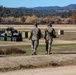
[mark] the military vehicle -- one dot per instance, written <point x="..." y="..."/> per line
<point x="10" y="34"/>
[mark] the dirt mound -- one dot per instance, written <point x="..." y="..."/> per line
<point x="22" y="62"/>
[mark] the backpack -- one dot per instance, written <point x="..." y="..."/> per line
<point x="39" y="34"/>
<point x="52" y="33"/>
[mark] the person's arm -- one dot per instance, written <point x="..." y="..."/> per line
<point x="44" y="35"/>
<point x="54" y="31"/>
<point x="39" y="34"/>
<point x="30" y="35"/>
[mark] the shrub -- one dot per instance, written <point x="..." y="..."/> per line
<point x="14" y="50"/>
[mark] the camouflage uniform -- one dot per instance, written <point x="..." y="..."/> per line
<point x="34" y="37"/>
<point x="48" y="38"/>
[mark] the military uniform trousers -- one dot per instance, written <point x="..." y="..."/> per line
<point x="48" y="45"/>
<point x="34" y="45"/>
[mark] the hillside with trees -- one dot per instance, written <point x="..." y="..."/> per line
<point x="55" y="15"/>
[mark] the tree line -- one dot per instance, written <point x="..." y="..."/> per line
<point x="26" y="15"/>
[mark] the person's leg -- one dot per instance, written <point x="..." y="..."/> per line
<point x="36" y="43"/>
<point x="46" y="47"/>
<point x="32" y="47"/>
<point x="49" y="46"/>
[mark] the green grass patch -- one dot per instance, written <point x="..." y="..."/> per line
<point x="56" y="48"/>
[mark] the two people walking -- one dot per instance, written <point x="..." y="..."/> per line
<point x="35" y="35"/>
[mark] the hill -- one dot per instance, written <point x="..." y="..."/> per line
<point x="64" y="12"/>
<point x="68" y="7"/>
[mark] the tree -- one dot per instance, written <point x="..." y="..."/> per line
<point x="56" y="19"/>
<point x="28" y="19"/>
<point x="8" y="19"/>
<point x="46" y="19"/>
<point x="32" y="19"/>
<point x="23" y="19"/>
<point x="68" y="21"/>
<point x="73" y="17"/>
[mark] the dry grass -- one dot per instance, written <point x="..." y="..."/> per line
<point x="1" y="51"/>
<point x="63" y="55"/>
<point x="39" y="61"/>
<point x="67" y="36"/>
<point x="12" y="50"/>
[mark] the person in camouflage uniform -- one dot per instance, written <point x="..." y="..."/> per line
<point x="48" y="36"/>
<point x="35" y="35"/>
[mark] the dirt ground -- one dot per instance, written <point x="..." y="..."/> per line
<point x="15" y="61"/>
<point x="68" y="70"/>
<point x="27" y="42"/>
<point x="53" y="60"/>
<point x="68" y="37"/>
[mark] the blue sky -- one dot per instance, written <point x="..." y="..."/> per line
<point x="35" y="3"/>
